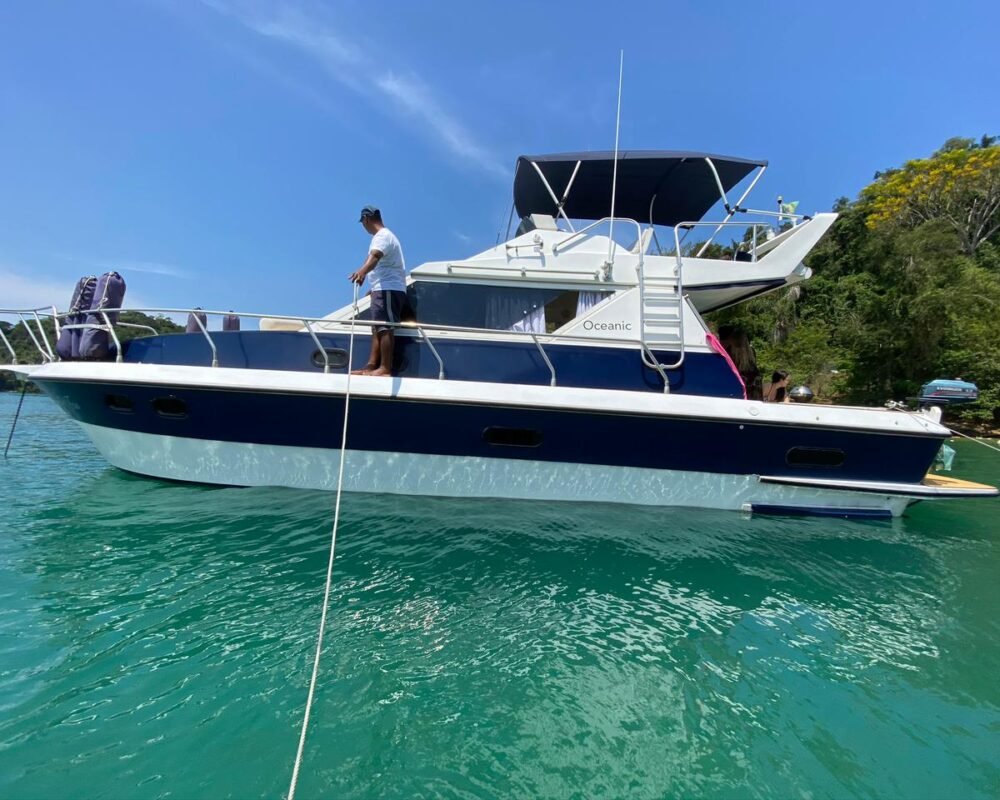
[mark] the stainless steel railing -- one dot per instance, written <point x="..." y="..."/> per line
<point x="540" y="340"/>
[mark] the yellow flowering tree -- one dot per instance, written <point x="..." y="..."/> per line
<point x="959" y="185"/>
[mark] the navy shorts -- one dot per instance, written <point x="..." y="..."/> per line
<point x="387" y="306"/>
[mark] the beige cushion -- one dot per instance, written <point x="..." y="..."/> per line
<point x="271" y="324"/>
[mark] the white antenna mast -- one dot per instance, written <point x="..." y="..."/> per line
<point x="614" y="174"/>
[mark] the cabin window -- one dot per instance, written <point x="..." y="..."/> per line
<point x="513" y="437"/>
<point x="503" y="308"/>
<point x="815" y="457"/>
<point x="119" y="403"/>
<point x="170" y="407"/>
<point x="336" y="356"/>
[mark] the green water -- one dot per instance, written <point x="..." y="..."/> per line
<point x="156" y="641"/>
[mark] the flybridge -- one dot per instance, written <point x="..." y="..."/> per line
<point x="661" y="187"/>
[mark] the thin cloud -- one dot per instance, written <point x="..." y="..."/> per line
<point x="346" y="63"/>
<point x="125" y="265"/>
<point x="20" y="291"/>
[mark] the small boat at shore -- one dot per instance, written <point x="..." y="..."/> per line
<point x="944" y="392"/>
<point x="562" y="364"/>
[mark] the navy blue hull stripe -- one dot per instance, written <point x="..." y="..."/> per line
<point x="589" y="366"/>
<point x="455" y="429"/>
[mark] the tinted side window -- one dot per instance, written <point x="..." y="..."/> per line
<point x="474" y="306"/>
<point x="815" y="457"/>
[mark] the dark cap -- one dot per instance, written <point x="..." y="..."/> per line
<point x="370" y="211"/>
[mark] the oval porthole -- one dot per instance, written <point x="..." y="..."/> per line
<point x="119" y="403"/>
<point x="170" y="407"/>
<point x="513" y="437"/>
<point x="815" y="457"/>
<point x="336" y="356"/>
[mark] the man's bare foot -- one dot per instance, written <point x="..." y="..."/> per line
<point x="381" y="372"/>
<point x="367" y="369"/>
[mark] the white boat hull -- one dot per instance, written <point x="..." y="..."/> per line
<point x="242" y="464"/>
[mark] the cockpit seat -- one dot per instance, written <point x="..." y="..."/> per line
<point x="272" y="324"/>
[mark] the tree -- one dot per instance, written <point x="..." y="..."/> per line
<point x="959" y="185"/>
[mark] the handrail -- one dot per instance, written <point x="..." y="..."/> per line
<point x="319" y="346"/>
<point x="45" y="336"/>
<point x="433" y="349"/>
<point x="114" y="336"/>
<point x="548" y="363"/>
<point x="149" y="328"/>
<point x="561" y="245"/>
<point x="687" y="226"/>
<point x="655" y="364"/>
<point x="372" y="323"/>
<point x="13" y="354"/>
<point x="524" y="270"/>
<point x="308" y="324"/>
<point x="204" y="330"/>
<point x="31" y="333"/>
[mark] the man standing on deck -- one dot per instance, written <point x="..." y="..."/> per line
<point x="386" y="273"/>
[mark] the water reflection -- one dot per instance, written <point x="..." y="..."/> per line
<point x="156" y="640"/>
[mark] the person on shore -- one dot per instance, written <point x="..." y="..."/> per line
<point x="777" y="392"/>
<point x="386" y="272"/>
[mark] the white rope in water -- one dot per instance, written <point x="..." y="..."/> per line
<point x="329" y="567"/>
<point x="974" y="439"/>
<point x="919" y="417"/>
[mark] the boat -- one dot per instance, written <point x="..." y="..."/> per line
<point x="570" y="362"/>
<point x="944" y="392"/>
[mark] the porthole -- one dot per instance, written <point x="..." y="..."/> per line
<point x="170" y="407"/>
<point x="119" y="403"/>
<point x="336" y="356"/>
<point x="815" y="457"/>
<point x="513" y="437"/>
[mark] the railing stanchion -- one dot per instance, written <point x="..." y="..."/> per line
<point x="326" y="356"/>
<point x="548" y="363"/>
<point x="114" y="336"/>
<point x="45" y="338"/>
<point x="430" y="344"/>
<point x="41" y="350"/>
<point x="13" y="354"/>
<point x="204" y="330"/>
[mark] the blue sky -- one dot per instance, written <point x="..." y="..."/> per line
<point x="216" y="152"/>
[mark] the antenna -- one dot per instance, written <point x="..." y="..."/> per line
<point x="614" y="174"/>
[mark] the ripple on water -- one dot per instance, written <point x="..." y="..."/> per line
<point x="156" y="640"/>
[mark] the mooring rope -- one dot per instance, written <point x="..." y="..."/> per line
<point x="10" y="436"/>
<point x="329" y="567"/>
<point x="896" y="406"/>
<point x="974" y="439"/>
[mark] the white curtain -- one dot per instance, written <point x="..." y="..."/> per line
<point x="587" y="300"/>
<point x="534" y="322"/>
<point x="504" y="312"/>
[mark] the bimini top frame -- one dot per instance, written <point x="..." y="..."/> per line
<point x="661" y="187"/>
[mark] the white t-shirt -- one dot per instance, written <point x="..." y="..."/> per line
<point x="390" y="272"/>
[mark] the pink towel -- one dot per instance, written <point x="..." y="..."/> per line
<point x="716" y="345"/>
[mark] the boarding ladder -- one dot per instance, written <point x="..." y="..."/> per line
<point x="661" y="315"/>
